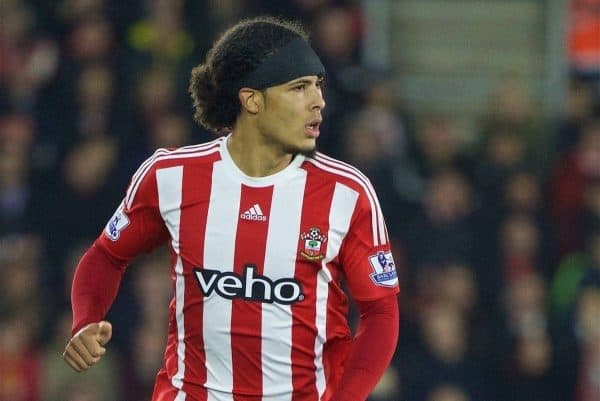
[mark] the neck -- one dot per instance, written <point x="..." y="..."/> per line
<point x="253" y="155"/>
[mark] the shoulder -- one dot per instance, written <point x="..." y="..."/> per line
<point x="367" y="205"/>
<point x="334" y="170"/>
<point x="164" y="158"/>
<point x="188" y="154"/>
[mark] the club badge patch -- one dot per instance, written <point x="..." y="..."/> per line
<point x="313" y="244"/>
<point x="385" y="269"/>
<point x="117" y="223"/>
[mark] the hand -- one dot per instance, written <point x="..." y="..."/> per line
<point x="87" y="346"/>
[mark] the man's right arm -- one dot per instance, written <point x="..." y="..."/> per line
<point x="135" y="228"/>
<point x="90" y="297"/>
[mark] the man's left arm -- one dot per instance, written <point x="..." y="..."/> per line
<point x="378" y="326"/>
<point x="370" y="272"/>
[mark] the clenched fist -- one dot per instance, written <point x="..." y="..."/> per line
<point x="87" y="346"/>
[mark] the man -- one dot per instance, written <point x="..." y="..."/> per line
<point x="262" y="231"/>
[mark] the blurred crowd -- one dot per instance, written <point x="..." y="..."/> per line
<point x="496" y="232"/>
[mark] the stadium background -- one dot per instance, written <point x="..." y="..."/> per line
<point x="477" y="121"/>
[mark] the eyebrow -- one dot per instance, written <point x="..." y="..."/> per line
<point x="307" y="81"/>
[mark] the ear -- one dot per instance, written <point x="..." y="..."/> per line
<point x="251" y="100"/>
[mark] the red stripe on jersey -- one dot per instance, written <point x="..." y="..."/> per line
<point x="161" y="154"/>
<point x="304" y="329"/>
<point x="194" y="209"/>
<point x="246" y="315"/>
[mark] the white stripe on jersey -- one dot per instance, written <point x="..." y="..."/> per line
<point x="180" y="396"/>
<point x="282" y="244"/>
<point x="383" y="237"/>
<point x="219" y="253"/>
<point x="169" y="183"/>
<point x="161" y="154"/>
<point x="321" y="323"/>
<point x="342" y="207"/>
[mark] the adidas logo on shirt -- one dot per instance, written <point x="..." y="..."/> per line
<point x="254" y="213"/>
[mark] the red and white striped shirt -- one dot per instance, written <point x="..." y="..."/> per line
<point x="257" y="263"/>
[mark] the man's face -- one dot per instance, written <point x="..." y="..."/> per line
<point x="291" y="115"/>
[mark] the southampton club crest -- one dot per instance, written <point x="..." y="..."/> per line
<point x="385" y="269"/>
<point x="313" y="244"/>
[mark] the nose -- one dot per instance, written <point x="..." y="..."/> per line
<point x="319" y="102"/>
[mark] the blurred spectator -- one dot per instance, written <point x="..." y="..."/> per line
<point x="20" y="308"/>
<point x="86" y="179"/>
<point x="503" y="154"/>
<point x="511" y="108"/>
<point x="519" y="248"/>
<point x="169" y="131"/>
<point x="161" y="37"/>
<point x="145" y="348"/>
<point x="19" y="355"/>
<point x="14" y="192"/>
<point x="153" y="98"/>
<point x="579" y="108"/>
<point x="91" y="40"/>
<point x="389" y="387"/>
<point x="145" y="359"/>
<point x="447" y="392"/>
<point x="443" y="231"/>
<point x="27" y="61"/>
<point x="588" y="329"/>
<point x="591" y="276"/>
<point x="577" y="271"/>
<point x="152" y="289"/>
<point x="336" y="33"/>
<point x="592" y="208"/>
<point x="439" y="147"/>
<point x="16" y="134"/>
<point x="566" y="284"/>
<point x="94" y="99"/>
<point x="458" y="288"/>
<point x="19" y="258"/>
<point x="523" y="193"/>
<point x="532" y="367"/>
<point x="375" y="140"/>
<point x="525" y="305"/>
<point x="445" y="356"/>
<point x="571" y="177"/>
<point x="206" y="18"/>
<point x="583" y="44"/>
<point x="529" y="375"/>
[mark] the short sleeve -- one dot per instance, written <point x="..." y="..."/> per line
<point x="366" y="256"/>
<point x="136" y="227"/>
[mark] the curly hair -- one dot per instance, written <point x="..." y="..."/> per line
<point x="236" y="53"/>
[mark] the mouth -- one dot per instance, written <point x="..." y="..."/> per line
<point x="312" y="128"/>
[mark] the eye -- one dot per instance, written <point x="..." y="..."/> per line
<point x="299" y="88"/>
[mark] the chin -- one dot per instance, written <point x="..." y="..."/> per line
<point x="309" y="152"/>
<point x="308" y="149"/>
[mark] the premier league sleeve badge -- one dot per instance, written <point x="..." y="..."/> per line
<point x="117" y="223"/>
<point x="385" y="274"/>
